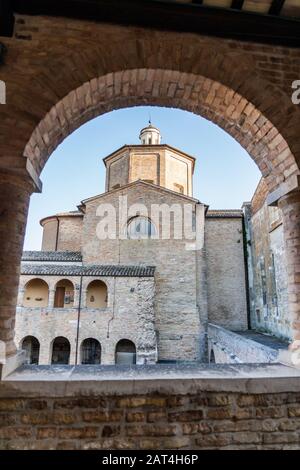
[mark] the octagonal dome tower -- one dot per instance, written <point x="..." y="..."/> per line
<point x="152" y="162"/>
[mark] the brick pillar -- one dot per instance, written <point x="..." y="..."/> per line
<point x="21" y="294"/>
<point x="77" y="297"/>
<point x="51" y="298"/>
<point x="15" y="192"/>
<point x="45" y="352"/>
<point x="290" y="206"/>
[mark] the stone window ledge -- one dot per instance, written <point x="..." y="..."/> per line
<point x="30" y="380"/>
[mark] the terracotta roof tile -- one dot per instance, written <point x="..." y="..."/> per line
<point x="51" y="256"/>
<point x="89" y="270"/>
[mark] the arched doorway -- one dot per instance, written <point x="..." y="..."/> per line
<point x="60" y="351"/>
<point x="36" y="293"/>
<point x="32" y="347"/>
<point x="96" y="295"/>
<point x="90" y="351"/>
<point x="125" y="352"/>
<point x="64" y="294"/>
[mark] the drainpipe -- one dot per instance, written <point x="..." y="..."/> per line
<point x="57" y="232"/>
<point x="246" y="264"/>
<point x="114" y="296"/>
<point x="113" y="310"/>
<point x="78" y="319"/>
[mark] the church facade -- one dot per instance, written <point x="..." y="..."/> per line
<point x="136" y="273"/>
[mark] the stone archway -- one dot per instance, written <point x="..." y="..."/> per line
<point x="236" y="86"/>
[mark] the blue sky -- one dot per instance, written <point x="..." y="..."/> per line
<point x="225" y="176"/>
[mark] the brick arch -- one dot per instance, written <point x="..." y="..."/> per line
<point x="66" y="352"/>
<point x="198" y="94"/>
<point x="32" y="283"/>
<point x="29" y="336"/>
<point x="34" y="341"/>
<point x="49" y="58"/>
<point x="36" y="278"/>
<point x="72" y="53"/>
<point x="64" y="279"/>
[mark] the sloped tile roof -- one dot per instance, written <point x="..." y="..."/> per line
<point x="233" y="213"/>
<point x="89" y="270"/>
<point x="51" y="256"/>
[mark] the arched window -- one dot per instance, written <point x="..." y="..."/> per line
<point x="60" y="351"/>
<point x="32" y="347"/>
<point x="140" y="228"/>
<point x="36" y="293"/>
<point x="96" y="294"/>
<point x="64" y="294"/>
<point x="125" y="352"/>
<point x="90" y="351"/>
<point x="212" y="359"/>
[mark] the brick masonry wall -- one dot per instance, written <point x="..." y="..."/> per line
<point x="176" y="313"/>
<point x="117" y="171"/>
<point x="68" y="232"/>
<point x="49" y="235"/>
<point x="113" y="67"/>
<point x="185" y="283"/>
<point x="203" y="420"/>
<point x="158" y="164"/>
<point x="69" y="235"/>
<point x="259" y="196"/>
<point x="145" y="166"/>
<point x="226" y="282"/>
<point x="128" y="315"/>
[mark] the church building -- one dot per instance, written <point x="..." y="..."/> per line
<point x="135" y="274"/>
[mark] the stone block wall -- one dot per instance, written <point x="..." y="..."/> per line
<point x="203" y="420"/>
<point x="268" y="279"/>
